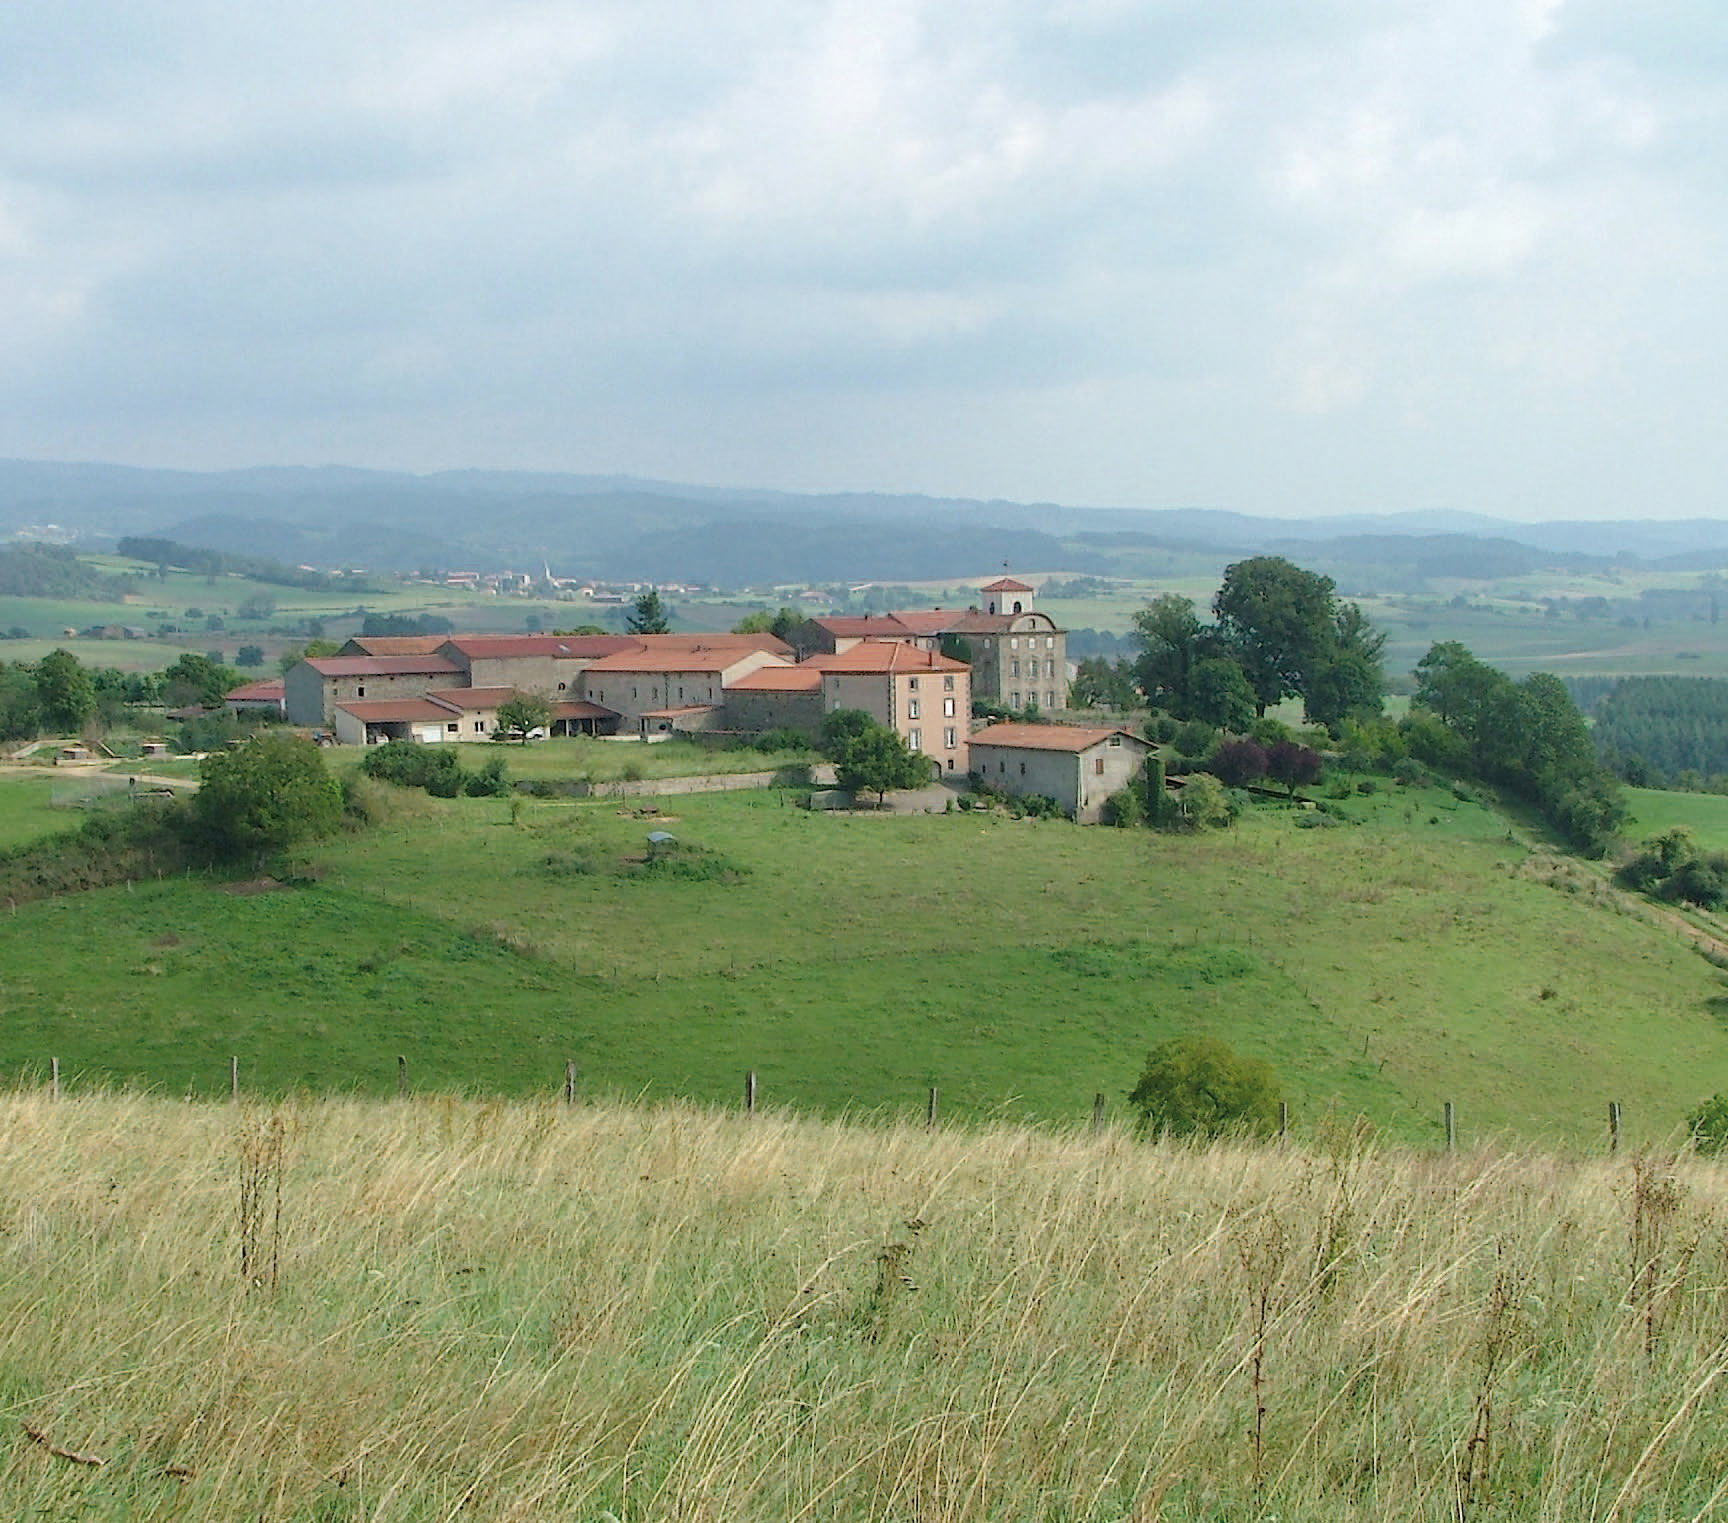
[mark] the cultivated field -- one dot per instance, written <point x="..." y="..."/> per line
<point x="445" y="1309"/>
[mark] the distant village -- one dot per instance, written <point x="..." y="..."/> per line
<point x="915" y="671"/>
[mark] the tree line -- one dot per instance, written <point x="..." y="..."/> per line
<point x="1277" y="632"/>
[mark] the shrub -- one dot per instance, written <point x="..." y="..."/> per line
<point x="1708" y="1123"/>
<point x="783" y="739"/>
<point x="489" y="782"/>
<point x="1204" y="802"/>
<point x="1407" y="772"/>
<point x="1124" y="808"/>
<point x="1199" y="1086"/>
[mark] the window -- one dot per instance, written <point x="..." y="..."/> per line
<point x="1022" y="769"/>
<point x="1013" y="642"/>
<point x="912" y="682"/>
<point x="1049" y="668"/>
<point x="914" y="740"/>
<point x="1049" y="700"/>
<point x="1098" y="765"/>
<point x="1013" y="700"/>
<point x="1049" y="642"/>
<point x="360" y="691"/>
<point x="948" y="740"/>
<point x="1013" y="668"/>
<point x="1115" y="740"/>
<point x="480" y="726"/>
<point x="562" y="686"/>
<point x="947" y="708"/>
<point x="454" y="726"/>
<point x="947" y="684"/>
<point x="911" y="708"/>
<point x="1001" y="766"/>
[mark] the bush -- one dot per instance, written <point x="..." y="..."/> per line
<point x="489" y="782"/>
<point x="1204" y="802"/>
<point x="1407" y="772"/>
<point x="783" y="739"/>
<point x="1123" y="809"/>
<point x="1199" y="1086"/>
<point x="1708" y="1124"/>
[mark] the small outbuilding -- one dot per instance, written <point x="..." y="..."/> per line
<point x="1077" y="765"/>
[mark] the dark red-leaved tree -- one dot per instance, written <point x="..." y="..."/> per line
<point x="1293" y="765"/>
<point x="1237" y="763"/>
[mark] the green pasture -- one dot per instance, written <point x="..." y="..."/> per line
<point x="1408" y="956"/>
<point x="1655" y="810"/>
<point x="27" y="812"/>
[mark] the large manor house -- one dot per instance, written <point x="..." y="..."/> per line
<point x="916" y="671"/>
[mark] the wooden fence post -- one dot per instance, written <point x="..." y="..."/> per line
<point x="401" y="1077"/>
<point x="750" y="1093"/>
<point x="54" y="1091"/>
<point x="570" y="1081"/>
<point x="1283" y="1119"/>
<point x="234" y="1081"/>
<point x="1613" y="1126"/>
<point x="1097" y="1112"/>
<point x="930" y="1114"/>
<point x="1451" y="1129"/>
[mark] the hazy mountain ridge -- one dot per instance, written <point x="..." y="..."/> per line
<point x="627" y="528"/>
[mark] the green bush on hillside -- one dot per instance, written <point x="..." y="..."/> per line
<point x="1708" y="1124"/>
<point x="1200" y="1086"/>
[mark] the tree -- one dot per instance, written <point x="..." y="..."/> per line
<point x="1294" y="765"/>
<point x="1279" y="622"/>
<point x="521" y="716"/>
<point x="1172" y="643"/>
<point x="648" y="616"/>
<point x="310" y="651"/>
<point x="1347" y="680"/>
<point x="267" y="794"/>
<point x="1219" y="695"/>
<point x="840" y="727"/>
<point x="1199" y="1086"/>
<point x="65" y="692"/>
<point x="250" y="655"/>
<point x="1237" y="763"/>
<point x="878" y="762"/>
<point x="782" y="625"/>
<point x="198" y="679"/>
<point x="1100" y="683"/>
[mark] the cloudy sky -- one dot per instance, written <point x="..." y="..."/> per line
<point x="1279" y="256"/>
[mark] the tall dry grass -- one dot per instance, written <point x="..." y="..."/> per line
<point x="488" y="1311"/>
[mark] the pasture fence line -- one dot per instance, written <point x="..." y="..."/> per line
<point x="1448" y="1118"/>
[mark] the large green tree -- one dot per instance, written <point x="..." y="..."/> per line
<point x="65" y="692"/>
<point x="198" y="679"/>
<point x="1172" y="641"/>
<point x="878" y="761"/>
<point x="1279" y="622"/>
<point x="267" y="794"/>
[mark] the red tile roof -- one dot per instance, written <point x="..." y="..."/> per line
<point x="1005" y="584"/>
<point x="686" y="659"/>
<point x="472" y="697"/>
<point x="381" y="710"/>
<point x="383" y="666"/>
<point x="779" y="679"/>
<point x="271" y="691"/>
<point x="393" y="645"/>
<point x="1050" y="737"/>
<point x="715" y="640"/>
<point x="878" y="626"/>
<point x="558" y="647"/>
<point x="581" y="708"/>
<point x="885" y="656"/>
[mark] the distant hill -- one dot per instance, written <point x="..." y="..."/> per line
<point x="623" y="528"/>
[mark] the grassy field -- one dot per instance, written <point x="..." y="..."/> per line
<point x="1656" y="810"/>
<point x="1417" y="955"/>
<point x="340" y="1311"/>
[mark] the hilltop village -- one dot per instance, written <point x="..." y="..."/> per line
<point x="917" y="672"/>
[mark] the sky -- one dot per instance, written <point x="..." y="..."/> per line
<point x="1304" y="257"/>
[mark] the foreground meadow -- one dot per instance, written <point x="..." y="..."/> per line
<point x="440" y="1309"/>
<point x="1422" y="953"/>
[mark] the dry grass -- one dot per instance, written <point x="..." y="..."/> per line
<point x="490" y="1311"/>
